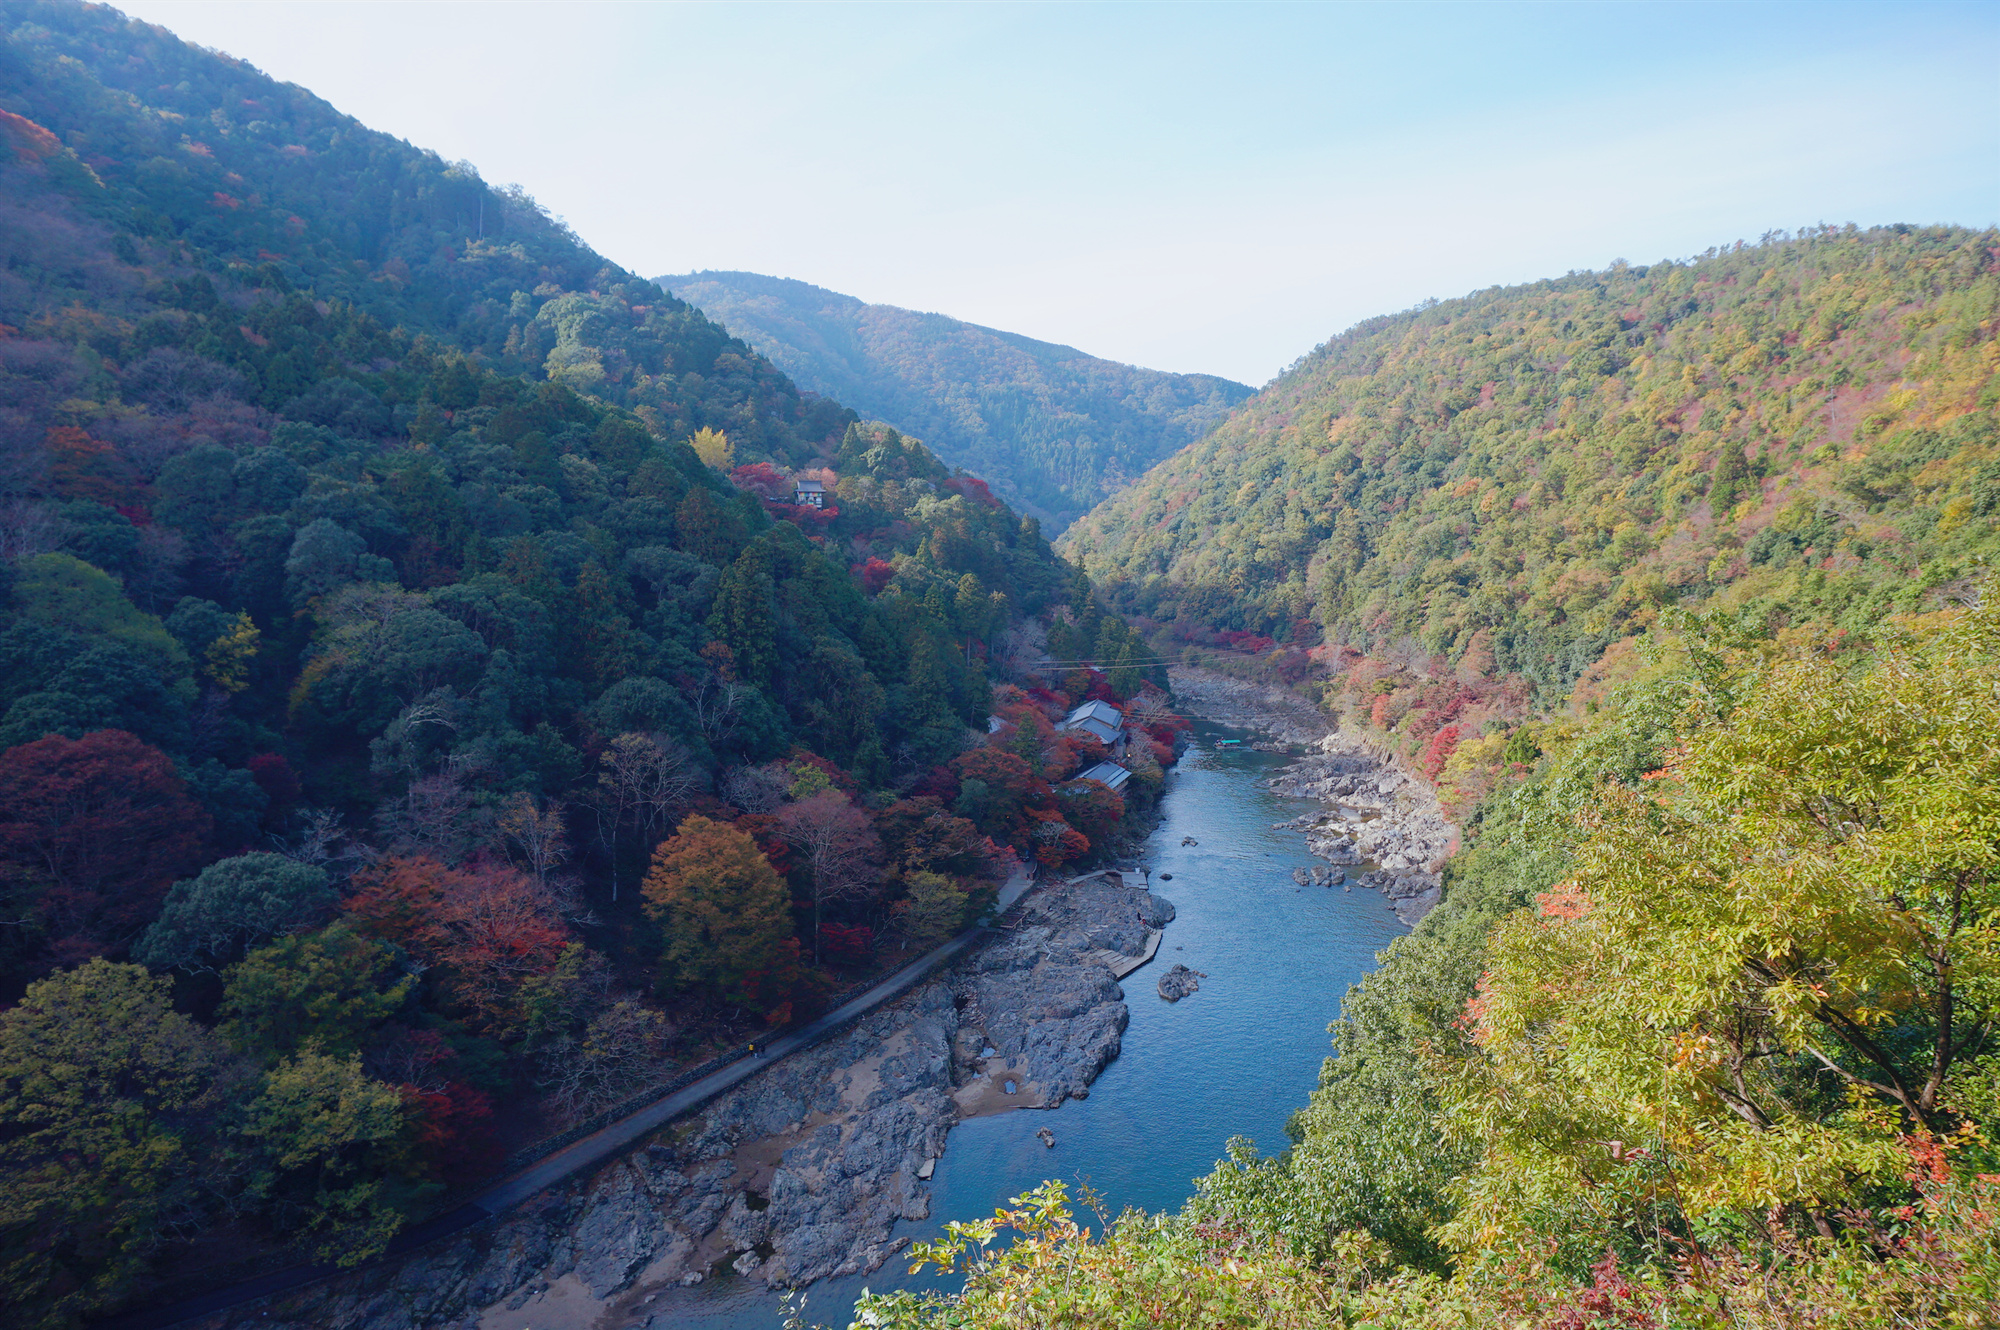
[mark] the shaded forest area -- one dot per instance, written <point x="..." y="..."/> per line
<point x="1054" y="430"/>
<point x="432" y="709"/>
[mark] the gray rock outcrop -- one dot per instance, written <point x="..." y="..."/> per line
<point x="1375" y="814"/>
<point x="1179" y="982"/>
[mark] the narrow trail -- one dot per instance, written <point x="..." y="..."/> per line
<point x="599" y="1147"/>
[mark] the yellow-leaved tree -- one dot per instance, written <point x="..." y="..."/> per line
<point x="724" y="910"/>
<point x="713" y="447"/>
<point x="1770" y="983"/>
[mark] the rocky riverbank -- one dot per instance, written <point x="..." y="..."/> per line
<point x="1283" y="715"/>
<point x="801" y="1172"/>
<point x="1376" y="813"/>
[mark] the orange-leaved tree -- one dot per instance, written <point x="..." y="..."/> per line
<point x="724" y="910"/>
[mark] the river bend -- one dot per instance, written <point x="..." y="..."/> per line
<point x="1234" y="1059"/>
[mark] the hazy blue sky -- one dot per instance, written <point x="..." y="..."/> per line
<point x="1188" y="187"/>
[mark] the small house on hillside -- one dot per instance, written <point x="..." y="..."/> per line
<point x="809" y="492"/>
<point x="1110" y="773"/>
<point x="1103" y="722"/>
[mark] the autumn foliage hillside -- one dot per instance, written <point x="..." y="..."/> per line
<point x="1453" y="520"/>
<point x="395" y="600"/>
<point x="1804" y="422"/>
<point x="1704" y="1034"/>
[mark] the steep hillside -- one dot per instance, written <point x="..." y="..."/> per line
<point x="1055" y="430"/>
<point x="267" y="185"/>
<point x="428" y="718"/>
<point x="1804" y="426"/>
<point x="1702" y="1035"/>
<point x="1703" y="1030"/>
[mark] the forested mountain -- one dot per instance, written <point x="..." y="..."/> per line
<point x="427" y="717"/>
<point x="1054" y="430"/>
<point x="1677" y="581"/>
<point x="1807" y="422"/>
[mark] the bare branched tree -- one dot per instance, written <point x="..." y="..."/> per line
<point x="595" y="1045"/>
<point x="646" y="780"/>
<point x="620" y="1054"/>
<point x="538" y="831"/>
<point x="437" y="815"/>
<point x="718" y="706"/>
<point x="838" y="846"/>
<point x="318" y="840"/>
<point x="759" y="789"/>
<point x="1149" y="708"/>
<point x="28" y="528"/>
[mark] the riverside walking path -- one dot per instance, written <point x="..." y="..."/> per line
<point x="599" y="1147"/>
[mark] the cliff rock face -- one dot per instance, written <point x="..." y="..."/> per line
<point x="801" y="1172"/>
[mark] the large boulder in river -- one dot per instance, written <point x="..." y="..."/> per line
<point x="1180" y="981"/>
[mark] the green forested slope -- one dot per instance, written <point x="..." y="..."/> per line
<point x="1703" y="1036"/>
<point x="1055" y="430"/>
<point x="1705" y="1031"/>
<point x="1806" y="422"/>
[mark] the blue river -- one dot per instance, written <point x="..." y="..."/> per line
<point x="1235" y="1059"/>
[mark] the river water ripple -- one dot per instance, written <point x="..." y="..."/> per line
<point x="1234" y="1059"/>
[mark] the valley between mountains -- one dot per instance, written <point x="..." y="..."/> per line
<point x="1498" y="827"/>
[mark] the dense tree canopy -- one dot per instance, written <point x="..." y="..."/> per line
<point x="1702" y="1034"/>
<point x="105" y="1096"/>
<point x="1802" y="424"/>
<point x="384" y="577"/>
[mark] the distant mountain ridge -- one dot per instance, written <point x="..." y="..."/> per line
<point x="1053" y="428"/>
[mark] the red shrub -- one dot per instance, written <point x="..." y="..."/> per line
<point x="488" y="926"/>
<point x="763" y="480"/>
<point x="1611" y="1301"/>
<point x="274" y="775"/>
<point x="874" y="575"/>
<point x="973" y="488"/>
<point x="454" y="1127"/>
<point x="94" y="830"/>
<point x="1439" y="752"/>
<point x="844" y="945"/>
